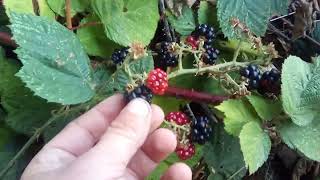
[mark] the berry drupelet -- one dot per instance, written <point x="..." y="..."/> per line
<point x="166" y="55"/>
<point x="205" y="32"/>
<point x="141" y="91"/>
<point x="157" y="81"/>
<point x="201" y="130"/>
<point x="119" y="55"/>
<point x="185" y="152"/>
<point x="211" y="55"/>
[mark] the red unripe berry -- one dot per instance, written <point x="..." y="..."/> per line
<point x="192" y="41"/>
<point x="178" y="117"/>
<point x="185" y="152"/>
<point x="157" y="81"/>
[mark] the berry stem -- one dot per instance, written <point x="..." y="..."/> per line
<point x="68" y="14"/>
<point x="236" y="53"/>
<point x="195" y="96"/>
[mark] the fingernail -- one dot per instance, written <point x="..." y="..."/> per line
<point x="139" y="107"/>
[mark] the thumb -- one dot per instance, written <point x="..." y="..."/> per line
<point x="125" y="135"/>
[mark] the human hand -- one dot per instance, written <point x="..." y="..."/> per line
<point x="111" y="141"/>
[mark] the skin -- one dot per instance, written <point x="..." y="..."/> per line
<point x="111" y="141"/>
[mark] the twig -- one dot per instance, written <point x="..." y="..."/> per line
<point x="195" y="96"/>
<point x="5" y="39"/>
<point x="169" y="32"/>
<point x="280" y="17"/>
<point x="236" y="53"/>
<point x="86" y="25"/>
<point x="68" y="14"/>
<point x="236" y="173"/>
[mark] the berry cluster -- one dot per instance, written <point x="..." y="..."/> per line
<point x="205" y="33"/>
<point x="269" y="82"/>
<point x="185" y="152"/>
<point x="119" y="55"/>
<point x="253" y="74"/>
<point x="178" y="117"/>
<point x="141" y="91"/>
<point x="201" y="130"/>
<point x="166" y="55"/>
<point x="156" y="83"/>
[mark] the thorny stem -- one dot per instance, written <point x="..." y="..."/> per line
<point x="195" y="96"/>
<point x="68" y="14"/>
<point x="175" y="126"/>
<point x="236" y="53"/>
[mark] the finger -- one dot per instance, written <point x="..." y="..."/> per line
<point x="160" y="144"/>
<point x="124" y="137"/>
<point x="157" y="117"/>
<point x="81" y="134"/>
<point x="178" y="171"/>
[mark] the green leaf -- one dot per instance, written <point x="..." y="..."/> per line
<point x="206" y="13"/>
<point x="45" y="10"/>
<point x="253" y="13"/>
<point x="25" y="112"/>
<point x="20" y="6"/>
<point x="128" y="21"/>
<point x="224" y="155"/>
<point x="55" y="63"/>
<point x="301" y="90"/>
<point x="305" y="139"/>
<point x="280" y="7"/>
<point x="185" y="23"/>
<point x="255" y="145"/>
<point x="94" y="40"/>
<point x="267" y="109"/>
<point x="237" y="113"/>
<point x="58" y="6"/>
<point x="120" y="79"/>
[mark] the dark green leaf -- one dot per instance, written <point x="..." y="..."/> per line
<point x="185" y="23"/>
<point x="223" y="154"/>
<point x="58" y="6"/>
<point x="128" y="21"/>
<point x="55" y="63"/>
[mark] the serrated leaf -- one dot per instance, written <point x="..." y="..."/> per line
<point x="253" y="13"/>
<point x="305" y="139"/>
<point x="185" y="23"/>
<point x="120" y="79"/>
<point x="224" y="155"/>
<point x="58" y="6"/>
<point x="237" y="113"/>
<point x="267" y="109"/>
<point x="94" y="40"/>
<point x="20" y="6"/>
<point x="207" y="13"/>
<point x="44" y="9"/>
<point x="301" y="90"/>
<point x="128" y="21"/>
<point x="255" y="145"/>
<point x="55" y="63"/>
<point x="25" y="112"/>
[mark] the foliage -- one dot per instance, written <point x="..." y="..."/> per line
<point x="60" y="73"/>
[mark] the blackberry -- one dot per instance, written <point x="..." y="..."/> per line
<point x="166" y="56"/>
<point x="206" y="32"/>
<point x="139" y="92"/>
<point x="201" y="130"/>
<point x="210" y="56"/>
<point x="252" y="73"/>
<point x="270" y="82"/>
<point x="119" y="55"/>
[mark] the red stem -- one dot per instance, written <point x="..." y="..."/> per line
<point x="195" y="96"/>
<point x="5" y="39"/>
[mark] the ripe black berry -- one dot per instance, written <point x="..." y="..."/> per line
<point x="201" y="130"/>
<point x="252" y="73"/>
<point x="139" y="92"/>
<point x="119" y="55"/>
<point x="270" y="82"/>
<point x="205" y="32"/>
<point x="210" y="56"/>
<point x="166" y="56"/>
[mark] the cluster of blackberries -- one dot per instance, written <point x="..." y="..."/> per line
<point x="119" y="55"/>
<point x="268" y="82"/>
<point x="253" y="74"/>
<point x="207" y="34"/>
<point x="166" y="56"/>
<point x="201" y="130"/>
